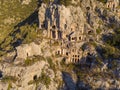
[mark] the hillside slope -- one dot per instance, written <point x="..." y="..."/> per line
<point x="59" y="45"/>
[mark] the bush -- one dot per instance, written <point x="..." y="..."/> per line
<point x="9" y="86"/>
<point x="13" y="15"/>
<point x="29" y="61"/>
<point x="52" y="65"/>
<point x="113" y="40"/>
<point x="45" y="79"/>
<point x="98" y="31"/>
<point x="46" y="1"/>
<point x="65" y="2"/>
<point x="28" y="33"/>
<point x="110" y="52"/>
<point x="103" y="1"/>
<point x="9" y="79"/>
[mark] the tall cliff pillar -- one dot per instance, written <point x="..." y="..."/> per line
<point x="39" y="23"/>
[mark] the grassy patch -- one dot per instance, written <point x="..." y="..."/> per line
<point x="52" y="65"/>
<point x="9" y="79"/>
<point x="31" y="61"/>
<point x="43" y="78"/>
<point x="98" y="31"/>
<point x="9" y="86"/>
<point x="11" y="14"/>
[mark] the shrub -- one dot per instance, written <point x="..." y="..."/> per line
<point x="113" y="40"/>
<point x="29" y="61"/>
<point x="14" y="13"/>
<point x="103" y="1"/>
<point x="9" y="79"/>
<point x="110" y="52"/>
<point x="52" y="65"/>
<point x="28" y="33"/>
<point x="9" y="86"/>
<point x="98" y="31"/>
<point x="46" y="1"/>
<point x="44" y="79"/>
<point x="65" y="2"/>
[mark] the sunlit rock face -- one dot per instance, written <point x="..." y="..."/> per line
<point x="72" y="56"/>
<point x="63" y="18"/>
<point x="27" y="50"/>
<point x="26" y="2"/>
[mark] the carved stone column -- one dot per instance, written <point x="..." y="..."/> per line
<point x="49" y="31"/>
<point x="56" y="34"/>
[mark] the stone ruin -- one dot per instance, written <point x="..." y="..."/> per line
<point x="56" y="20"/>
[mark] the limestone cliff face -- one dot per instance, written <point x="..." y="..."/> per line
<point x="75" y="16"/>
<point x="67" y="17"/>
<point x="80" y="27"/>
<point x="74" y="23"/>
<point x="63" y="18"/>
<point x="25" y="76"/>
<point x="27" y="50"/>
<point x="81" y="18"/>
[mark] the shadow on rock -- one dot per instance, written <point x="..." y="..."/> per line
<point x="69" y="83"/>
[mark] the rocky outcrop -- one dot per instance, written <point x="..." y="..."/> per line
<point x="82" y="18"/>
<point x="26" y="2"/>
<point x="25" y="75"/>
<point x="62" y="17"/>
<point x="9" y="57"/>
<point x="27" y="50"/>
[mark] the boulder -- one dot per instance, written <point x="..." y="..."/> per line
<point x="27" y="50"/>
<point x="26" y="2"/>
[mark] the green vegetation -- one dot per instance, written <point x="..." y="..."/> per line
<point x="114" y="65"/>
<point x="46" y="1"/>
<point x="110" y="52"/>
<point x="9" y="79"/>
<point x="9" y="86"/>
<point x="103" y="1"/>
<point x="98" y="31"/>
<point x="112" y="48"/>
<point x="65" y="2"/>
<point x="44" y="79"/>
<point x="56" y="43"/>
<point x="52" y="65"/>
<point x="114" y="39"/>
<point x="99" y="61"/>
<point x="29" y="61"/>
<point x="62" y="2"/>
<point x="11" y="14"/>
<point x="29" y="32"/>
<point x="25" y="34"/>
